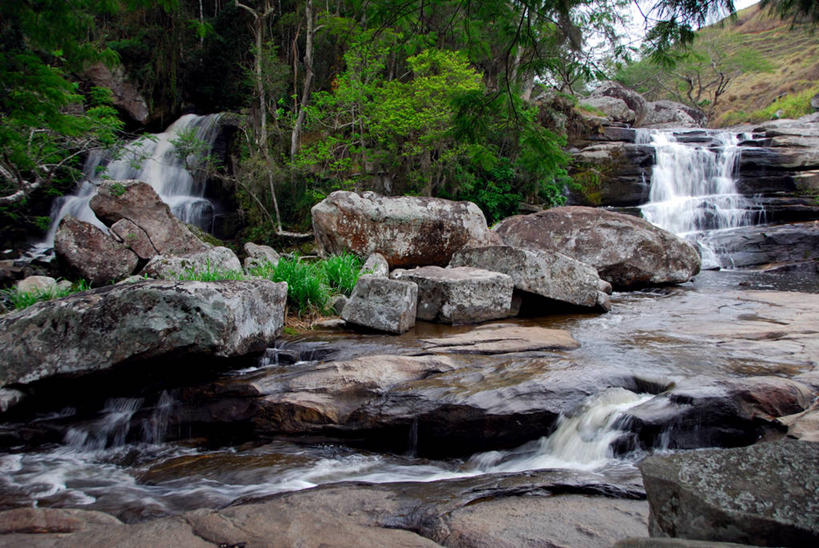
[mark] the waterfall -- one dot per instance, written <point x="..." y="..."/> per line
<point x="693" y="187"/>
<point x="154" y="160"/>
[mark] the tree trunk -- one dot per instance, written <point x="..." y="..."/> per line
<point x="295" y="136"/>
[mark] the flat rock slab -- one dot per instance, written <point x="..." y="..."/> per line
<point x="766" y="494"/>
<point x="502" y="339"/>
<point x="566" y="520"/>
<point x="461" y="295"/>
<point x="102" y="328"/>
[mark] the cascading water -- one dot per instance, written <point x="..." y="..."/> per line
<point x="693" y="187"/>
<point x="154" y="160"/>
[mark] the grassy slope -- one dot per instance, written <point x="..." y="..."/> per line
<point x="794" y="51"/>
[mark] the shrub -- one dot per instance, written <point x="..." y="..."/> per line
<point x="210" y="275"/>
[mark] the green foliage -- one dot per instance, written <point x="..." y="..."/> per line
<point x="24" y="299"/>
<point x="310" y="284"/>
<point x="789" y="106"/>
<point x="341" y="272"/>
<point x="117" y="189"/>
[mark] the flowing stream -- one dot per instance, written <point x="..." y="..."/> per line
<point x="155" y="160"/>
<point x="693" y="187"/>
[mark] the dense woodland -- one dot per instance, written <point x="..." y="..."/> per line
<point x="426" y="97"/>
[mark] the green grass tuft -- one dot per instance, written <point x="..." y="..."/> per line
<point x="23" y="299"/>
<point x="341" y="272"/>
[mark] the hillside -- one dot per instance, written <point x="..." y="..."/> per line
<point x="770" y="65"/>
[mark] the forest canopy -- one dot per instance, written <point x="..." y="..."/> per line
<point x="427" y="97"/>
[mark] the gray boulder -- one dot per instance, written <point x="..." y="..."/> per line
<point x="408" y="231"/>
<point x="382" y="304"/>
<point x="765" y="494"/>
<point x="459" y="295"/>
<point x="551" y="275"/>
<point x="91" y="253"/>
<point x="258" y="255"/>
<point x="376" y="265"/>
<point x="126" y="96"/>
<point x="668" y="114"/>
<point x="140" y="204"/>
<point x="212" y="260"/>
<point x="627" y="251"/>
<point x="619" y="103"/>
<point x="112" y="325"/>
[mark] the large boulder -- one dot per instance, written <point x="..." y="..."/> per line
<point x="551" y="275"/>
<point x="139" y="203"/>
<point x="617" y="102"/>
<point x="668" y="114"/>
<point x="766" y="494"/>
<point x="460" y="295"/>
<point x="626" y="251"/>
<point x="113" y="325"/>
<point x="382" y="304"/>
<point x="214" y="260"/>
<point x="91" y="253"/>
<point x="408" y="231"/>
<point x="134" y="238"/>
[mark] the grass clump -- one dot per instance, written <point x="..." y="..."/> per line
<point x="311" y="284"/>
<point x="341" y="272"/>
<point x="789" y="106"/>
<point x="23" y="299"/>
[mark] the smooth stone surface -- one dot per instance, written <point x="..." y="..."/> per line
<point x="768" y="246"/>
<point x="91" y="253"/>
<point x="619" y="103"/>
<point x="548" y="274"/>
<point x="627" y="251"/>
<point x="408" y="231"/>
<point x="102" y="328"/>
<point x="459" y="295"/>
<point x="565" y="520"/>
<point x="382" y="304"/>
<point x="502" y="339"/>
<point x="766" y="494"/>
<point x="139" y="203"/>
<point x="211" y="260"/>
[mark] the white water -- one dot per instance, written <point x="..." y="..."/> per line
<point x="154" y="160"/>
<point x="693" y="188"/>
<point x="98" y="467"/>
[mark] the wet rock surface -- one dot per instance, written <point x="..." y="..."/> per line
<point x="407" y="231"/>
<point x="113" y="325"/>
<point x="765" y="494"/>
<point x="627" y="251"/>
<point x="449" y="513"/>
<point x="769" y="247"/>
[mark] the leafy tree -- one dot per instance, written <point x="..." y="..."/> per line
<point x="45" y="124"/>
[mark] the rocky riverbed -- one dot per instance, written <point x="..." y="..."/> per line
<point x="459" y="436"/>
